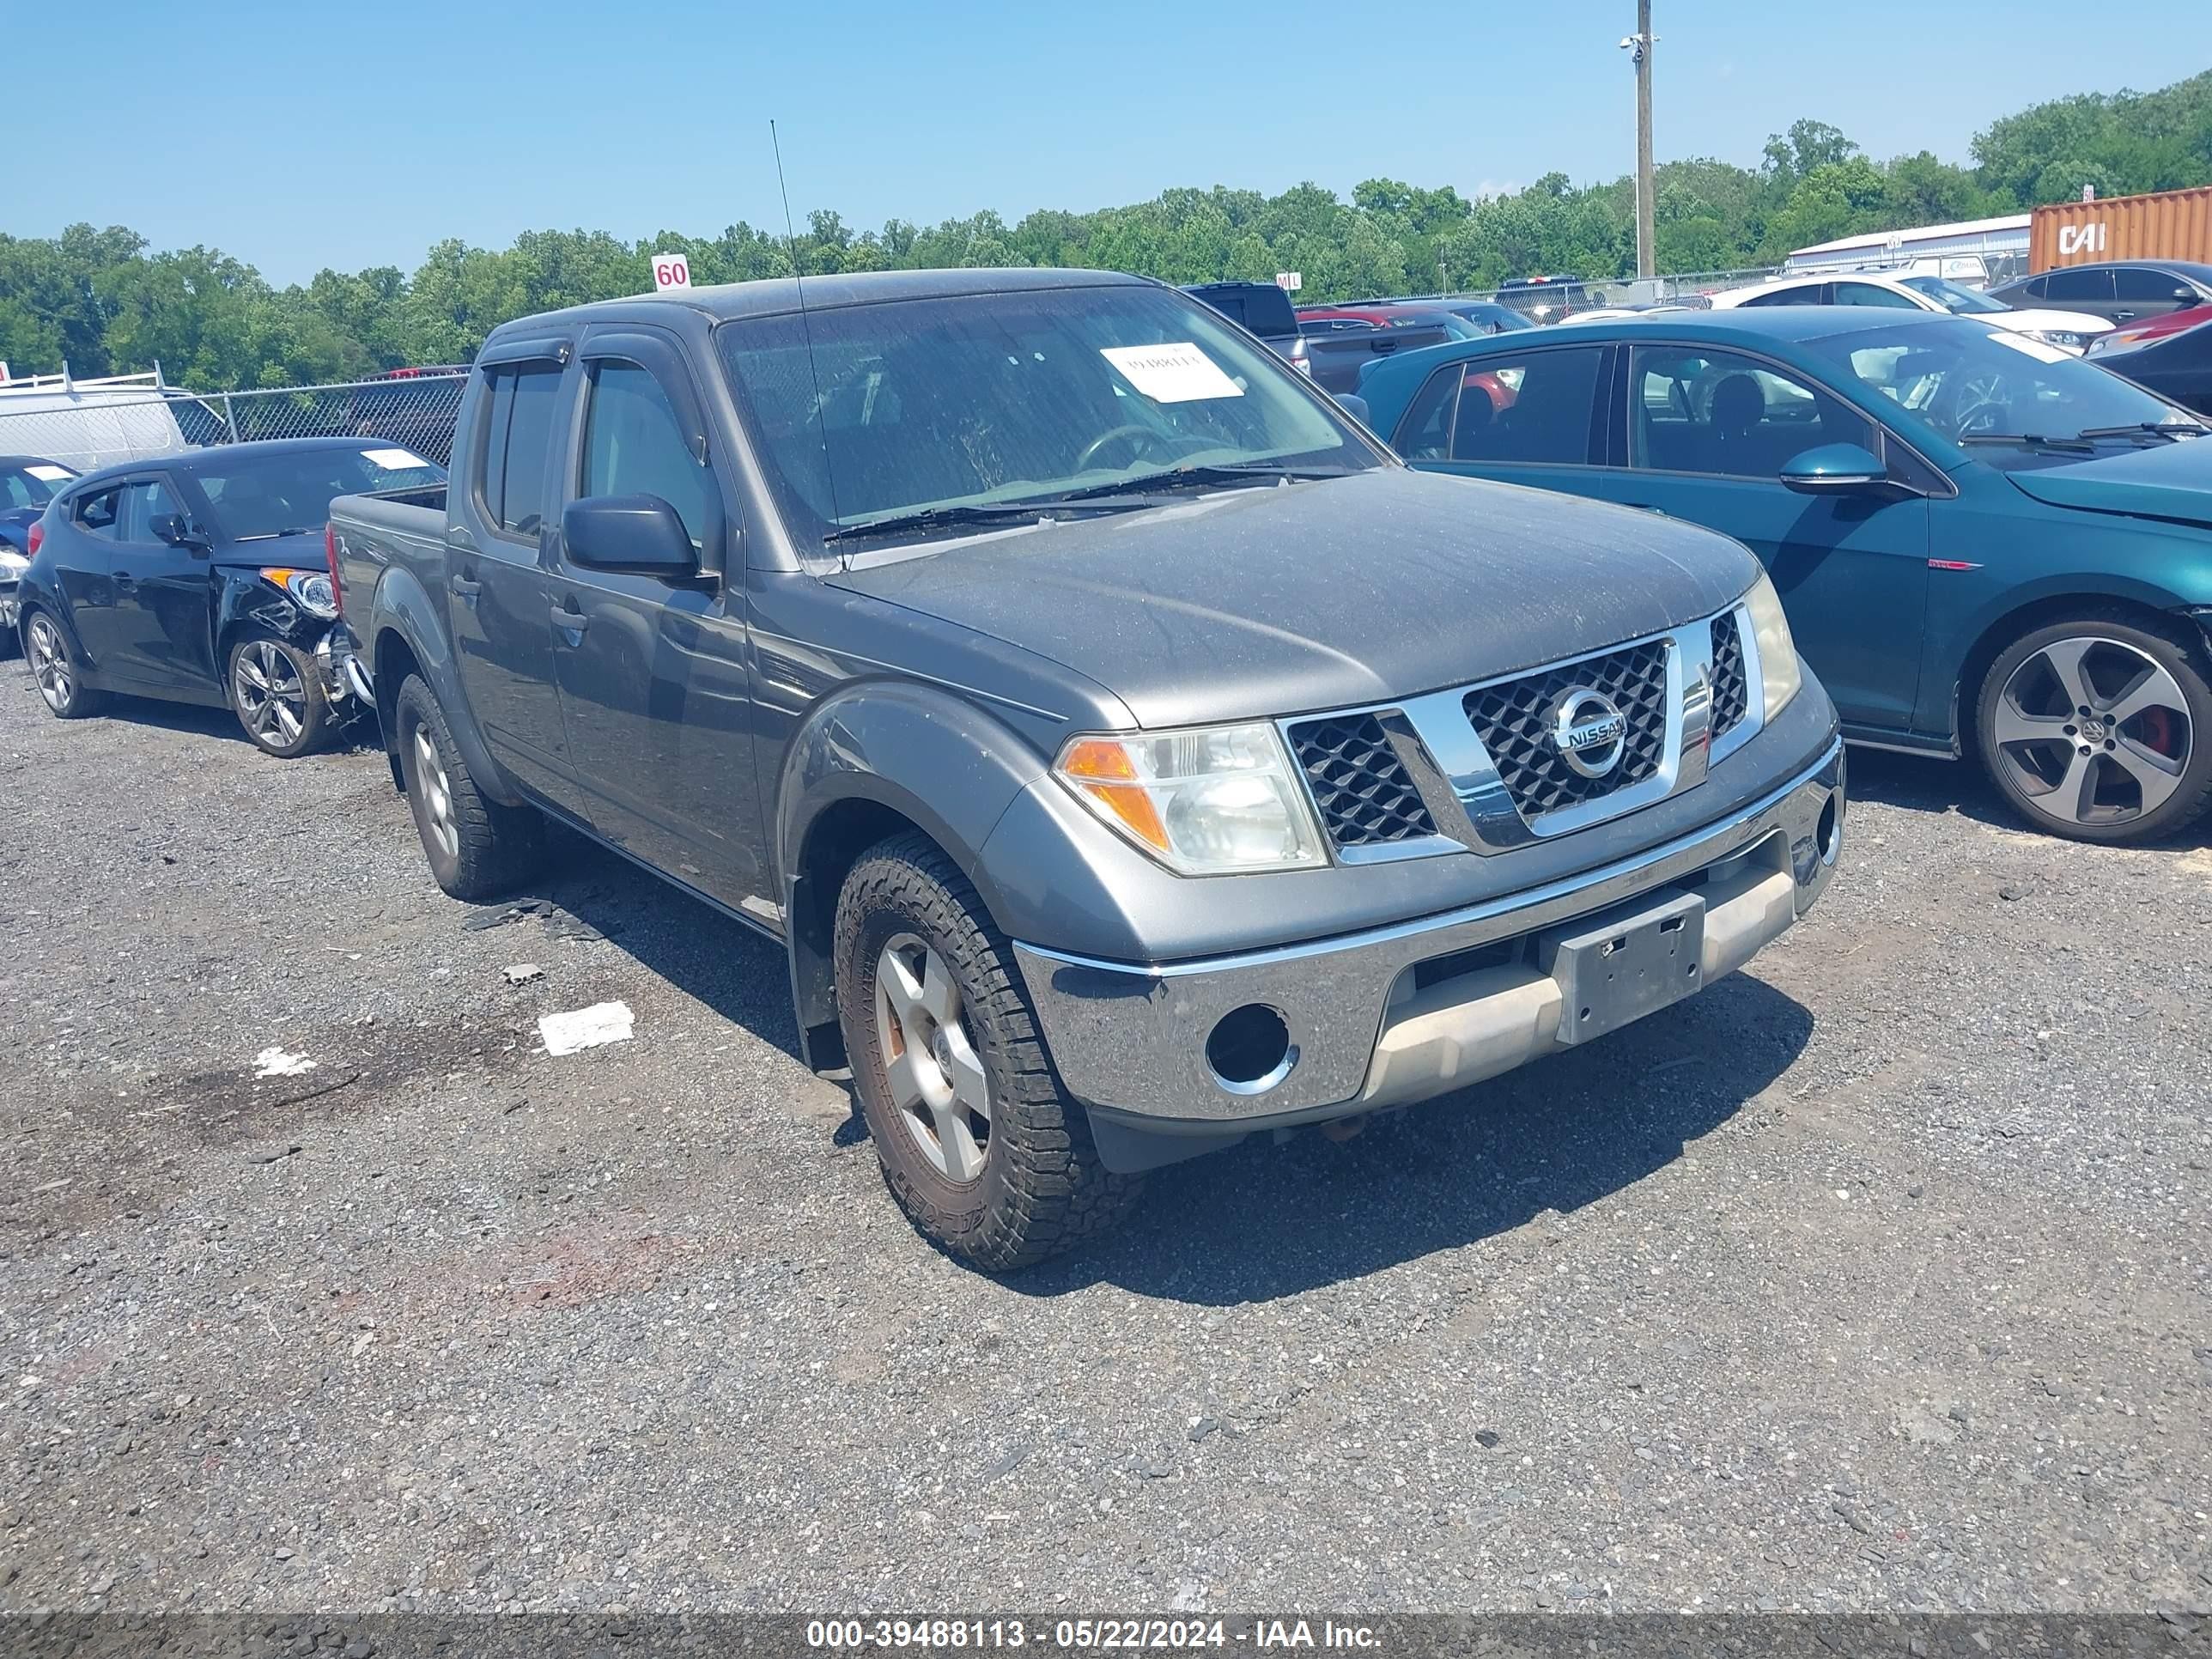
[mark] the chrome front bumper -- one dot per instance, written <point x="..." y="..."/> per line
<point x="1130" y="1039"/>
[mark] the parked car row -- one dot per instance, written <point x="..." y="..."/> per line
<point x="1128" y="749"/>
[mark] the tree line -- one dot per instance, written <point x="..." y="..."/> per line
<point x="104" y="303"/>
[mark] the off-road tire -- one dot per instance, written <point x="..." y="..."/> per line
<point x="494" y="848"/>
<point x="2180" y="654"/>
<point x="1042" y="1189"/>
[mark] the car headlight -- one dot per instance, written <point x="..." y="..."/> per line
<point x="1779" y="674"/>
<point x="312" y="588"/>
<point x="1213" y="801"/>
<point x="12" y="563"/>
<point x="2066" y="339"/>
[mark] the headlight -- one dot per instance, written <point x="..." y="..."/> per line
<point x="312" y="588"/>
<point x="12" y="563"/>
<point x="1778" y="673"/>
<point x="1213" y="801"/>
<point x="2064" y="338"/>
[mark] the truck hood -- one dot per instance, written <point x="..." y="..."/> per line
<point x="1267" y="601"/>
<point x="2172" y="482"/>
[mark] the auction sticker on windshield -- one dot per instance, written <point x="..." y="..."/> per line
<point x="393" y="460"/>
<point x="1175" y="373"/>
<point x="2042" y="351"/>
<point x="47" y="472"/>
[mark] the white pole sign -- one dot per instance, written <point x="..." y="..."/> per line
<point x="1289" y="280"/>
<point x="670" y="271"/>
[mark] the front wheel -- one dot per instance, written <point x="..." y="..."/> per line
<point x="2099" y="729"/>
<point x="277" y="692"/>
<point x="976" y="1141"/>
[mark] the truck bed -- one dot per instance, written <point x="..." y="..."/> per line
<point x="402" y="528"/>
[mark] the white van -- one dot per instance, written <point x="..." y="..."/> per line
<point x="85" y="424"/>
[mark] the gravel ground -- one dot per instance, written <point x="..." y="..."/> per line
<point x="1874" y="1278"/>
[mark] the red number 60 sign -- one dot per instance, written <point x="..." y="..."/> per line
<point x="670" y="271"/>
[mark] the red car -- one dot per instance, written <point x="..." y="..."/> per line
<point x="2127" y="335"/>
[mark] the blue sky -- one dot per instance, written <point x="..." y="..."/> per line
<point x="318" y="133"/>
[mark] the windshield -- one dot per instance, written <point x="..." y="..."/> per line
<point x="1970" y="381"/>
<point x="976" y="400"/>
<point x="1953" y="297"/>
<point x="252" y="495"/>
<point x="31" y="483"/>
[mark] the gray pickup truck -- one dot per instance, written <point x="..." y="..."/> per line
<point x="1130" y="753"/>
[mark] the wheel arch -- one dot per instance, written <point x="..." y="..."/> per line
<point x="403" y="615"/>
<point x="2152" y="612"/>
<point x="880" y="759"/>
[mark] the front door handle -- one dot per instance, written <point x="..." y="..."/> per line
<point x="566" y="615"/>
<point x="126" y="582"/>
<point x="465" y="588"/>
<point x="2122" y="316"/>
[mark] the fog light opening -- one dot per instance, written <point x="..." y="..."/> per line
<point x="1249" y="1049"/>
<point x="1829" y="834"/>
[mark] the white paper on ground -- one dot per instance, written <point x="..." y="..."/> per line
<point x="275" y="1062"/>
<point x="586" y="1028"/>
<point x="393" y="460"/>
<point x="1175" y="373"/>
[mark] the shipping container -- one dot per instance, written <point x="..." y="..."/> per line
<point x="2172" y="224"/>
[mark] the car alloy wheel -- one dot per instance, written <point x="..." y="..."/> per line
<point x="2093" y="731"/>
<point x="272" y="698"/>
<point x="935" y="1078"/>
<point x="437" y="793"/>
<point x="50" y="665"/>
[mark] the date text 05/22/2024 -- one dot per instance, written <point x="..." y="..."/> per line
<point x="1089" y="1635"/>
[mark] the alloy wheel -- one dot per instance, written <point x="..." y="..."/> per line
<point x="437" y="793"/>
<point x="2093" y="731"/>
<point x="272" y="699"/>
<point x="50" y="665"/>
<point x="935" y="1077"/>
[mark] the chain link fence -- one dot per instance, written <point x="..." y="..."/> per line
<point x="85" y="427"/>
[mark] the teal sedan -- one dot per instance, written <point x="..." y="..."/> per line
<point x="1985" y="545"/>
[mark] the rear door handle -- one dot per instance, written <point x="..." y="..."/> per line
<point x="466" y="587"/>
<point x="126" y="582"/>
<point x="566" y="615"/>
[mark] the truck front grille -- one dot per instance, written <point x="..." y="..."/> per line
<point x="1516" y="720"/>
<point x="1731" y="692"/>
<point x="1365" y="796"/>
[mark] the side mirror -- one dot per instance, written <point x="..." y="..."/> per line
<point x="1831" y="468"/>
<point x="2186" y="295"/>
<point x="638" y="534"/>
<point x="1354" y="406"/>
<point x="176" y="529"/>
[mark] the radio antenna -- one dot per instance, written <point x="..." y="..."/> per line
<point x="805" y="324"/>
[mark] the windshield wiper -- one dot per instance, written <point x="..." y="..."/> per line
<point x="2171" y="431"/>
<point x="272" y="535"/>
<point x="2032" y="439"/>
<point x="969" y="513"/>
<point x="1203" y="478"/>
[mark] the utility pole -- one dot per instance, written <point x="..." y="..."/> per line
<point x="1647" y="233"/>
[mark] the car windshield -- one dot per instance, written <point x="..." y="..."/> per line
<point x="1953" y="297"/>
<point x="1981" y="385"/>
<point x="253" y="496"/>
<point x="984" y="402"/>
<point x="31" y="483"/>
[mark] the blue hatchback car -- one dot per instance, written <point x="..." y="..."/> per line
<point x="1985" y="545"/>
